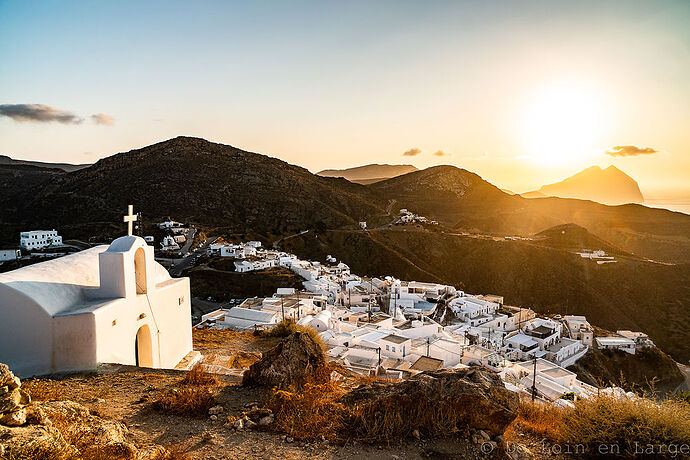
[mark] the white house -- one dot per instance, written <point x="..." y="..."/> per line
<point x="37" y="239"/>
<point x="579" y="329"/>
<point x="108" y="304"/>
<point x="616" y="343"/>
<point x="395" y="346"/>
<point x="9" y="254"/>
<point x="169" y="244"/>
<point x="246" y="318"/>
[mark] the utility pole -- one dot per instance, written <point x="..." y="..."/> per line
<point x="379" y="350"/>
<point x="140" y="225"/>
<point x="534" y="379"/>
<point x="282" y="307"/>
<point x="428" y="342"/>
<point x="369" y="301"/>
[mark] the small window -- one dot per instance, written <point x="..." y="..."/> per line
<point x="387" y="348"/>
<point x="393" y="349"/>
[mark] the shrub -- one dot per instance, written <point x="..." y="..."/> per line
<point x="538" y="418"/>
<point x="195" y="396"/>
<point x="629" y="424"/>
<point x="197" y="376"/>
<point x="625" y="426"/>
<point x="185" y="401"/>
<point x="288" y="326"/>
<point x="310" y="412"/>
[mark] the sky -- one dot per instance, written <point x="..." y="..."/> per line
<point x="522" y="93"/>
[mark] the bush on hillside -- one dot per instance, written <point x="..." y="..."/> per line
<point x="288" y="327"/>
<point x="626" y="427"/>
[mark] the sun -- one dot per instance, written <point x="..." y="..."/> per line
<point x="563" y="123"/>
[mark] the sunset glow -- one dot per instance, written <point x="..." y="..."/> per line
<point x="520" y="105"/>
<point x="563" y="124"/>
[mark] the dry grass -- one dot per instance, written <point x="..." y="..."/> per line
<point x="626" y="424"/>
<point x="190" y="401"/>
<point x="44" y="390"/>
<point x="198" y="377"/>
<point x="215" y="339"/>
<point x="288" y="327"/>
<point x="310" y="412"/>
<point x="541" y="419"/>
<point x="315" y="410"/>
<point x="194" y="396"/>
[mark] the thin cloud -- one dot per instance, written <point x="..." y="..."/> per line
<point x="413" y="152"/>
<point x="441" y="153"/>
<point x="38" y="113"/>
<point x="629" y="151"/>
<point x="103" y="119"/>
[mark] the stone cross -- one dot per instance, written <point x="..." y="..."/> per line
<point x="130" y="218"/>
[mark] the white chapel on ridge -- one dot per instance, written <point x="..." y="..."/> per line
<point x="107" y="304"/>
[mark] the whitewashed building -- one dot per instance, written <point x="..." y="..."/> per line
<point x="37" y="239"/>
<point x="108" y="304"/>
<point x="9" y="254"/>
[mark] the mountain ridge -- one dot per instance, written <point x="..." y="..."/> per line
<point x="67" y="167"/>
<point x="367" y="174"/>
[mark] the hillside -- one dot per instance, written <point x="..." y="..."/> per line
<point x="630" y="294"/>
<point x="576" y="238"/>
<point x="639" y="371"/>
<point x="223" y="187"/>
<point x="464" y="201"/>
<point x="608" y="186"/>
<point x="368" y="174"/>
<point x="67" y="167"/>
<point x="200" y="181"/>
<point x="17" y="184"/>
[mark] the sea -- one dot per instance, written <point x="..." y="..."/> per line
<point x="682" y="205"/>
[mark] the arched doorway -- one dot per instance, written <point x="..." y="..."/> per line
<point x="143" y="353"/>
<point x="140" y="270"/>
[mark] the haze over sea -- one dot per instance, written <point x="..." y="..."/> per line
<point x="682" y="205"/>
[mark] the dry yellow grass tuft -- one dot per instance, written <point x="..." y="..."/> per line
<point x="190" y="401"/>
<point x="309" y="412"/>
<point x="630" y="424"/>
<point x="197" y="376"/>
<point x="194" y="397"/>
<point x="627" y="427"/>
<point x="288" y="327"/>
<point x="541" y="419"/>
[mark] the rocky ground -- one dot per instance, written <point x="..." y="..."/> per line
<point x="113" y="407"/>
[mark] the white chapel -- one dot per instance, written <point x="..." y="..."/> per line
<point x="107" y="304"/>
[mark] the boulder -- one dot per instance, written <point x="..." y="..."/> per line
<point x="12" y="399"/>
<point x="10" y="402"/>
<point x="16" y="418"/>
<point x="37" y="441"/>
<point x="296" y="359"/>
<point x="434" y="402"/>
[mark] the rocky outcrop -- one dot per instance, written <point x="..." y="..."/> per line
<point x="434" y="402"/>
<point x="295" y="359"/>
<point x="59" y="429"/>
<point x="13" y="399"/>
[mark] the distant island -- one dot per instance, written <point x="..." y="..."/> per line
<point x="607" y="186"/>
<point x="368" y="174"/>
